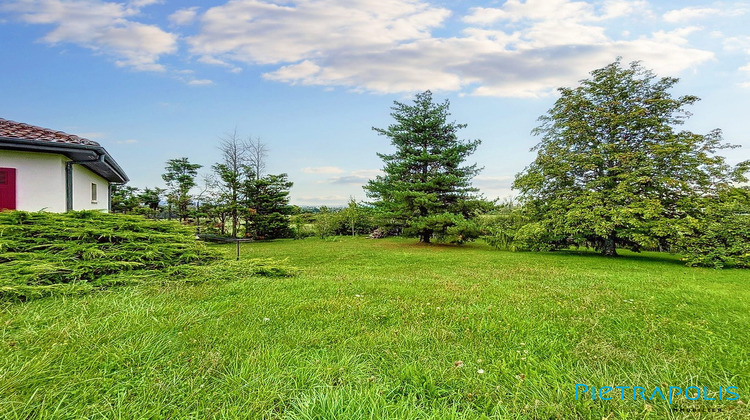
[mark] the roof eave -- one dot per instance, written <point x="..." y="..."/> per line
<point x="111" y="171"/>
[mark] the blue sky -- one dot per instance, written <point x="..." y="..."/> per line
<point x="153" y="80"/>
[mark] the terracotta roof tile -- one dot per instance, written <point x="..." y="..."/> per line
<point x="21" y="131"/>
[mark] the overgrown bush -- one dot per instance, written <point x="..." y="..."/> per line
<point x="504" y="228"/>
<point x="356" y="219"/>
<point x="721" y="238"/>
<point x="41" y="251"/>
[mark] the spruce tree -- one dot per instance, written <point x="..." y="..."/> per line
<point x="426" y="188"/>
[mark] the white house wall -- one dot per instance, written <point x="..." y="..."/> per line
<point x="82" y="180"/>
<point x="40" y="180"/>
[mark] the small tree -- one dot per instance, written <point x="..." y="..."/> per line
<point x="426" y="187"/>
<point x="124" y="198"/>
<point x="180" y="178"/>
<point x="325" y="223"/>
<point x="612" y="169"/>
<point x="352" y="215"/>
<point x="151" y="199"/>
<point x="230" y="175"/>
<point x="268" y="204"/>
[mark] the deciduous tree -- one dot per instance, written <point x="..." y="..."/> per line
<point x="613" y="169"/>
<point x="230" y="172"/>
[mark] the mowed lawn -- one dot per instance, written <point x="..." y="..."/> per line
<point x="386" y="329"/>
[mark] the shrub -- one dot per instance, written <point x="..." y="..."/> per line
<point x="501" y="228"/>
<point x="721" y="238"/>
<point x="45" y="250"/>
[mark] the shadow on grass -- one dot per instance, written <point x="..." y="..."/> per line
<point x="624" y="255"/>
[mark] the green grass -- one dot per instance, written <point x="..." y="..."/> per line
<point x="375" y="328"/>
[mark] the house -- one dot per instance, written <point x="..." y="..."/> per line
<point x="47" y="170"/>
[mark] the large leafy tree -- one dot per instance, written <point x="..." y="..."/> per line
<point x="426" y="188"/>
<point x="612" y="168"/>
<point x="722" y="236"/>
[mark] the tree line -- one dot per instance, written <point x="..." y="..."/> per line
<point x="612" y="170"/>
<point x="237" y="198"/>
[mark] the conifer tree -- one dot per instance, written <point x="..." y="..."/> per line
<point x="426" y="187"/>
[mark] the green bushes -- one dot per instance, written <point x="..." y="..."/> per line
<point x="39" y="252"/>
<point x="721" y="238"/>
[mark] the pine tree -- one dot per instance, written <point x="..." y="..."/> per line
<point x="426" y="189"/>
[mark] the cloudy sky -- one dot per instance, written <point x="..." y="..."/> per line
<point x="153" y="80"/>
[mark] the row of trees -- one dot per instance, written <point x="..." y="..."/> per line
<point x="236" y="198"/>
<point x="612" y="171"/>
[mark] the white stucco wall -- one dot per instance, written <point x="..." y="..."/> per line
<point x="40" y="182"/>
<point x="82" y="180"/>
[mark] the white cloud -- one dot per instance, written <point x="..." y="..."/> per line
<point x="388" y="46"/>
<point x="359" y="177"/>
<point x="323" y="170"/>
<point x="143" y="3"/>
<point x="690" y="13"/>
<point x="518" y="49"/>
<point x="200" y="82"/>
<point x="740" y="45"/>
<point x="184" y="16"/>
<point x="104" y="27"/>
<point x="617" y="8"/>
<point x="265" y="32"/>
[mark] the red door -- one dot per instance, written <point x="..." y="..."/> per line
<point x="7" y="188"/>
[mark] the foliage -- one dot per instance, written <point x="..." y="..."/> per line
<point x="500" y="228"/>
<point x="41" y="251"/>
<point x="151" y="199"/>
<point x="376" y="330"/>
<point x="267" y="199"/>
<point x="326" y="223"/>
<point x="722" y="235"/>
<point x="613" y="171"/>
<point x="180" y="178"/>
<point x="124" y="198"/>
<point x="302" y="225"/>
<point x="354" y="219"/>
<point x="424" y="178"/>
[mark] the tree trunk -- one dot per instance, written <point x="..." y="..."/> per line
<point x="609" y="248"/>
<point x="424" y="237"/>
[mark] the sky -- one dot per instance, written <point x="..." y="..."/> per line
<point x="154" y="80"/>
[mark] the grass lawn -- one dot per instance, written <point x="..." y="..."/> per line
<point x="387" y="329"/>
